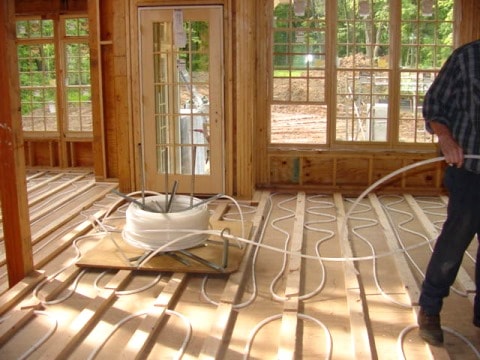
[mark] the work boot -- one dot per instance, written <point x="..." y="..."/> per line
<point x="430" y="329"/>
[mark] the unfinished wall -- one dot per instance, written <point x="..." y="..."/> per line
<point x="250" y="161"/>
<point x="346" y="167"/>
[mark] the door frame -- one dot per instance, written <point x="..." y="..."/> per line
<point x="218" y="116"/>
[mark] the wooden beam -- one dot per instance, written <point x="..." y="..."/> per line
<point x="99" y="160"/>
<point x="220" y="332"/>
<point x="362" y="341"/>
<point x="15" y="321"/>
<point x="245" y="98"/>
<point x="407" y="277"/>
<point x="17" y="292"/>
<point x="63" y="342"/>
<point x="466" y="13"/>
<point x="137" y="346"/>
<point x="288" y="330"/>
<point x="13" y="188"/>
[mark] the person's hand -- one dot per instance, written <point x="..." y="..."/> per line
<point x="452" y="152"/>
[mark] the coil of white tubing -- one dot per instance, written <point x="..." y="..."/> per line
<point x="146" y="229"/>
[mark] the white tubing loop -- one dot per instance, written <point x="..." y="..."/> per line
<point x="45" y="337"/>
<point x="48" y="279"/>
<point x="169" y="312"/>
<point x="261" y="324"/>
<point x="368" y="222"/>
<point x="388" y="177"/>
<point x="256" y="250"/>
<point x="290" y="214"/>
<point x="240" y="212"/>
<point x="273" y="248"/>
<point x="405" y="331"/>
<point x="142" y="228"/>
<point x="308" y="225"/>
<point x="343" y="228"/>
<point x="125" y="292"/>
<point x="401" y="225"/>
<point x="354" y="205"/>
<point x="339" y="259"/>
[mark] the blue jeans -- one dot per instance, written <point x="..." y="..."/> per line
<point x="461" y="225"/>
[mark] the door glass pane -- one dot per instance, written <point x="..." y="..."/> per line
<point x="181" y="85"/>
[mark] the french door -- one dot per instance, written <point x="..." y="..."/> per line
<point x="181" y="70"/>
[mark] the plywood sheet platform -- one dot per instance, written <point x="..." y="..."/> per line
<point x="112" y="252"/>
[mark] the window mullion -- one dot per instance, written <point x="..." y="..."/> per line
<point x="394" y="68"/>
<point x="61" y="91"/>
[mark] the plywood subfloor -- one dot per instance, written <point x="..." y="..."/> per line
<point x="334" y="301"/>
<point x="214" y="256"/>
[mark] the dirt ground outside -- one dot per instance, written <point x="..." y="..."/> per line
<point x="301" y="123"/>
<point x="291" y="123"/>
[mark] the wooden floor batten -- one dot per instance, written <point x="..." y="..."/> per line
<point x="344" y="290"/>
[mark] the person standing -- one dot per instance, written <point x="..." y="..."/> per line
<point x="451" y="111"/>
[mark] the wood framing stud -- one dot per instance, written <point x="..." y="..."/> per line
<point x="13" y="189"/>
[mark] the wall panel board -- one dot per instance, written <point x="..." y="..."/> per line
<point x="353" y="173"/>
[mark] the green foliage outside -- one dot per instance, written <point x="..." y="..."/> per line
<point x="288" y="30"/>
<point x="195" y="53"/>
<point x="432" y="35"/>
<point x="37" y="63"/>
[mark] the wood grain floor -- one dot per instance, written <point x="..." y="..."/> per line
<point x="346" y="288"/>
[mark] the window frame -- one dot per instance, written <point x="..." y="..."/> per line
<point x="394" y="70"/>
<point x="60" y="41"/>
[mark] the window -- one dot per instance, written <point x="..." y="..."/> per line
<point x="426" y="42"/>
<point x="38" y="88"/>
<point x="54" y="73"/>
<point x="77" y="76"/>
<point x="382" y="64"/>
<point x="363" y="76"/>
<point x="298" y="110"/>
